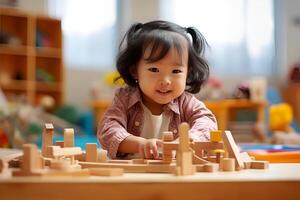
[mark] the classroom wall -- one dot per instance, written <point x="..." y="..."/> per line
<point x="287" y="35"/>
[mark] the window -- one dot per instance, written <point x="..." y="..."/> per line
<point x="240" y="32"/>
<point x="89" y="29"/>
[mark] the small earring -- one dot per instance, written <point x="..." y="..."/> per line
<point x="136" y="81"/>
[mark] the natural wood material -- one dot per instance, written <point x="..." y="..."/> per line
<point x="36" y="51"/>
<point x="106" y="171"/>
<point x="232" y="149"/>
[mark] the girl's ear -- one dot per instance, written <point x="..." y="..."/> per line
<point x="133" y="72"/>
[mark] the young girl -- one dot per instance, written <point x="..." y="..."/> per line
<point x="161" y="62"/>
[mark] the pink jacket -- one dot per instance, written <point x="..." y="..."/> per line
<point x="125" y="117"/>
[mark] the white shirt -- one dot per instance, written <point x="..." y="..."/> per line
<point x="154" y="125"/>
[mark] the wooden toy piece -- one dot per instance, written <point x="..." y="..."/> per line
<point x="201" y="148"/>
<point x="199" y="167"/>
<point x="47" y="139"/>
<point x="72" y="172"/>
<point x="91" y="152"/>
<point x="259" y="164"/>
<point x="57" y="152"/>
<point x="227" y="164"/>
<point x="184" y="155"/>
<point x="216" y="136"/>
<point x="246" y="159"/>
<point x="198" y="160"/>
<point x="120" y="161"/>
<point x="138" y="161"/>
<point x="219" y="153"/>
<point x="232" y="149"/>
<point x="3" y="167"/>
<point x="211" y="167"/>
<point x="168" y="136"/>
<point x="60" y="143"/>
<point x="68" y="137"/>
<point x="106" y="171"/>
<point x="102" y="155"/>
<point x="132" y="168"/>
<point x="32" y="164"/>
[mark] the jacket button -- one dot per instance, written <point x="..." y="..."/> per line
<point x="175" y="131"/>
<point x="136" y="123"/>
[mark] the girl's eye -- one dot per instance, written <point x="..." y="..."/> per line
<point x="176" y="71"/>
<point x="153" y="69"/>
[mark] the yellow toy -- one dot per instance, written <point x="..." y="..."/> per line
<point x="281" y="116"/>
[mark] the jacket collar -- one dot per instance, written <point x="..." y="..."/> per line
<point x="136" y="97"/>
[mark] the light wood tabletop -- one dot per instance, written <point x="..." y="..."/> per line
<point x="280" y="181"/>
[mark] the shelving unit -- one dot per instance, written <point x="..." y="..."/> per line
<point x="31" y="62"/>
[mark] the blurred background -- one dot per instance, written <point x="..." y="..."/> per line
<point x="57" y="64"/>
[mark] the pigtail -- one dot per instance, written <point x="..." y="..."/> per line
<point x="199" y="69"/>
<point x="199" y="42"/>
<point x="131" y="33"/>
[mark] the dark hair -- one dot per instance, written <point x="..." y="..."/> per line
<point x="161" y="36"/>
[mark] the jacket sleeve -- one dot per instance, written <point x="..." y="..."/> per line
<point x="200" y="119"/>
<point x="112" y="129"/>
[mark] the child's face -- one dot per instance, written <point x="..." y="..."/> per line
<point x="163" y="80"/>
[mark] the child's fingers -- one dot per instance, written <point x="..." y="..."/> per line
<point x="147" y="152"/>
<point x="155" y="151"/>
<point x="141" y="151"/>
<point x="159" y="143"/>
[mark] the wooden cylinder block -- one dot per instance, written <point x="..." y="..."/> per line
<point x="228" y="164"/>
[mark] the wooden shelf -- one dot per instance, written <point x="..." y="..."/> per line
<point x="14" y="85"/>
<point x="31" y="56"/>
<point x="48" y="52"/>
<point x="48" y="87"/>
<point x="13" y="49"/>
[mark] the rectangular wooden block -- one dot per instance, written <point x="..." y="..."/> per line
<point x="259" y="164"/>
<point x="91" y="152"/>
<point x="106" y="171"/>
<point x="69" y="137"/>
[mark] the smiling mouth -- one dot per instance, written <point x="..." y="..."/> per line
<point x="163" y="92"/>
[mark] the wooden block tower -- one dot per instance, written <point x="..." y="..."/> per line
<point x="184" y="154"/>
<point x="68" y="137"/>
<point x="47" y="138"/>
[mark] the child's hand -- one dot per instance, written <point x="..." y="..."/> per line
<point x="148" y="148"/>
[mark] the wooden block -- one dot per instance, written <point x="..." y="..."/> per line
<point x="3" y="166"/>
<point x="91" y="154"/>
<point x="102" y="155"/>
<point x="73" y="172"/>
<point x="259" y="164"/>
<point x="56" y="151"/>
<point x="170" y="145"/>
<point x="168" y="136"/>
<point x="60" y="164"/>
<point x="199" y="167"/>
<point x="245" y="157"/>
<point x="60" y="144"/>
<point x="106" y="171"/>
<point x="247" y="164"/>
<point x="120" y="161"/>
<point x="139" y="161"/>
<point x="211" y="167"/>
<point x="68" y="137"/>
<point x="47" y="139"/>
<point x="184" y="137"/>
<point x="198" y="160"/>
<point x="232" y="149"/>
<point x="216" y="136"/>
<point x="132" y="168"/>
<point x="228" y="164"/>
<point x="49" y="126"/>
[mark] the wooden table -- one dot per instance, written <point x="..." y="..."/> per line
<point x="281" y="181"/>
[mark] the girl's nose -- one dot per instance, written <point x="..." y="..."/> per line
<point x="165" y="81"/>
